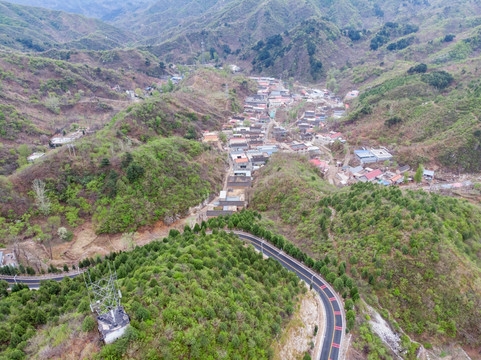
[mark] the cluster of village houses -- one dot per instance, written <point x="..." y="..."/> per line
<point x="250" y="147"/>
<point x="312" y="129"/>
<point x="149" y="90"/>
<point x="247" y="143"/>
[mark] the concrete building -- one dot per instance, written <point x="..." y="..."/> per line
<point x="113" y="324"/>
<point x="356" y="170"/>
<point x="397" y="179"/>
<point x="239" y="182"/>
<point x="235" y="203"/>
<point x="238" y="143"/>
<point x="428" y="175"/>
<point x="365" y="156"/>
<point x="279" y="132"/>
<point x="268" y="149"/>
<point x="299" y="148"/>
<point x="210" y="137"/>
<point x="403" y="169"/>
<point x="381" y="154"/>
<point x="218" y="212"/>
<point x="246" y="173"/>
<point x="242" y="164"/>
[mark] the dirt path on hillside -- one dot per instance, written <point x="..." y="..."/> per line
<point x="332" y="172"/>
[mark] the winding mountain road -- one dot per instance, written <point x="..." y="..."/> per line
<point x="335" y="319"/>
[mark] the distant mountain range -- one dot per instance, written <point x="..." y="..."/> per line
<point x="107" y="10"/>
<point x="316" y="35"/>
<point x="35" y="29"/>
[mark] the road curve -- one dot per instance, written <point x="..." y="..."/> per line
<point x="335" y="323"/>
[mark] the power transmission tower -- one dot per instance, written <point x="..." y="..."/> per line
<point x="202" y="56"/>
<point x="104" y="295"/>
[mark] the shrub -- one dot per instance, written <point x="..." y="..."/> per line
<point x="53" y="104"/>
<point x="62" y="233"/>
<point x="393" y="121"/>
<point x="438" y="79"/>
<point x="105" y="162"/>
<point x="420" y="68"/>
<point x="88" y="324"/>
<point x="449" y="38"/>
<point x="134" y="172"/>
<point x="401" y="44"/>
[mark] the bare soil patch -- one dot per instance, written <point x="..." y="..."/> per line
<point x="298" y="336"/>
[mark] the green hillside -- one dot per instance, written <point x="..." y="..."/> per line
<point x="145" y="166"/>
<point x="231" y="31"/>
<point x="35" y="29"/>
<point x="435" y="104"/>
<point x="195" y="296"/>
<point x="414" y="255"/>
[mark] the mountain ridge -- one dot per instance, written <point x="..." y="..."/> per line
<point x="34" y="29"/>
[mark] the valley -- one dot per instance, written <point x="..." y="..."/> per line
<point x="258" y="180"/>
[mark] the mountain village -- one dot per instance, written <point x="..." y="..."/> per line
<point x="252" y="137"/>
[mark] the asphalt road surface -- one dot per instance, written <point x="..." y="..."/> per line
<point x="335" y="325"/>
<point x="33" y="282"/>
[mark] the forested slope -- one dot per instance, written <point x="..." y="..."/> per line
<point x="146" y="165"/>
<point x="414" y="254"/>
<point x="189" y="296"/>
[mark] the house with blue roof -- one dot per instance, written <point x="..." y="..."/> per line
<point x="365" y="156"/>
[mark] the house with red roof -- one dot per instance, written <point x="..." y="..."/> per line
<point x="371" y="176"/>
<point x="324" y="166"/>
